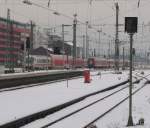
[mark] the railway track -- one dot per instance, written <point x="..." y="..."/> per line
<point x="28" y="119"/>
<point x="93" y="103"/>
<point x="112" y="108"/>
<point x="78" y="110"/>
<point x="25" y="120"/>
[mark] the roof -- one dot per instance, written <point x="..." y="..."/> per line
<point x="40" y="51"/>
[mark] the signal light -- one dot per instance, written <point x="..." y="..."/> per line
<point x="131" y="24"/>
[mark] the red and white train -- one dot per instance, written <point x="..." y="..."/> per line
<point x="55" y="62"/>
<point x="63" y="61"/>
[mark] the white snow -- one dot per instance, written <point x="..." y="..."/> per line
<point x="141" y="109"/>
<point x="16" y="104"/>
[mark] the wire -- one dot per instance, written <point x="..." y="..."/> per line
<point x="108" y="17"/>
<point x="39" y="23"/>
<point x="62" y="14"/>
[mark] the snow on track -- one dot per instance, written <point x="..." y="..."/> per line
<point x="20" y="103"/>
<point x="141" y="109"/>
<point x="80" y="119"/>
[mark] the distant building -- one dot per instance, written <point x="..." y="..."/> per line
<point x="45" y="39"/>
<point x="56" y="44"/>
<point x="13" y="35"/>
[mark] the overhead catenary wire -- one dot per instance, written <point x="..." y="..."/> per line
<point x="92" y="28"/>
<point x="70" y="17"/>
<point x="122" y="14"/>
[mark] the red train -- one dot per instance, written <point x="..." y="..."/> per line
<point x="95" y="62"/>
<point x="63" y="61"/>
<point x="55" y="62"/>
<point x="99" y="63"/>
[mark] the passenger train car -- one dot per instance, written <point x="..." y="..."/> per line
<point x="95" y="62"/>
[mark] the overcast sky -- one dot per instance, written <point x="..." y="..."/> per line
<point x="98" y="12"/>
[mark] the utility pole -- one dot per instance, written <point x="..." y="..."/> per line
<point x="148" y="58"/>
<point x="31" y="34"/>
<point x="130" y="119"/>
<point x="117" y="40"/>
<point x="109" y="53"/>
<point x="8" y="56"/>
<point x="24" y="55"/>
<point x="87" y="42"/>
<point x="123" y="65"/>
<point x="63" y="42"/>
<point x="83" y="52"/>
<point x="131" y="28"/>
<point x="12" y="47"/>
<point x="133" y="53"/>
<point x="28" y="49"/>
<point x="74" y="39"/>
<point x="8" y="40"/>
<point x="11" y="44"/>
<point x="99" y="41"/>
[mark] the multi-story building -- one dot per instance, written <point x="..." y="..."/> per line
<point x="13" y="35"/>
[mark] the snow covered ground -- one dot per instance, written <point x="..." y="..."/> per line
<point x="80" y="120"/>
<point x="141" y="109"/>
<point x="16" y="104"/>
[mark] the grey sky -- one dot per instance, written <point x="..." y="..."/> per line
<point x="99" y="12"/>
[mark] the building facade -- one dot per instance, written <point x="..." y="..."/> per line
<point x="12" y="36"/>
